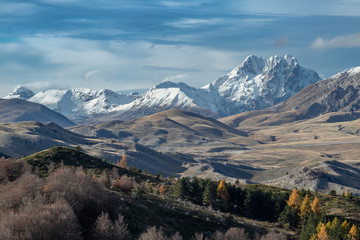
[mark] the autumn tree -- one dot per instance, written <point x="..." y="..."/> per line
<point x="222" y="192"/>
<point x="123" y="162"/>
<point x="345" y="228"/>
<point x="162" y="189"/>
<point x="305" y="208"/>
<point x="294" y="200"/>
<point x="322" y="235"/>
<point x="315" y="206"/>
<point x="353" y="233"/>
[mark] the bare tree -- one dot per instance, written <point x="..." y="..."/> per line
<point x="153" y="233"/>
<point x="105" y="229"/>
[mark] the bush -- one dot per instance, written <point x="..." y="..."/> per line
<point x="125" y="183"/>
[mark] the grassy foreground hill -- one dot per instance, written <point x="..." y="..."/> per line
<point x="144" y="200"/>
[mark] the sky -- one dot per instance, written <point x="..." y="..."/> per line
<point x="132" y="44"/>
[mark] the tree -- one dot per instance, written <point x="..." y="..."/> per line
<point x="322" y="235"/>
<point x="162" y="189"/>
<point x="209" y="196"/>
<point x="181" y="188"/>
<point x="345" y="228"/>
<point x="305" y="208"/>
<point x="335" y="230"/>
<point x="123" y="162"/>
<point x="222" y="192"/>
<point x="294" y="200"/>
<point x="353" y="233"/>
<point x="105" y="229"/>
<point x="315" y="206"/>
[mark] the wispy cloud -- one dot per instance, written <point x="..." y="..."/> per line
<point x="346" y="41"/>
<point x="193" y="22"/>
<point x="179" y="77"/>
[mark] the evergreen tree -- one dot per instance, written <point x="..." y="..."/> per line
<point x="335" y="230"/>
<point x="289" y="217"/>
<point x="209" y="196"/>
<point x="181" y="188"/>
<point x="309" y="227"/>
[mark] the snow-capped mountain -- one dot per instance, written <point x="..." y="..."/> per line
<point x="21" y="93"/>
<point x="258" y="83"/>
<point x="168" y="95"/>
<point x="255" y="84"/>
<point x="79" y="103"/>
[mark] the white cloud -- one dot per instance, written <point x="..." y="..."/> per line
<point x="176" y="78"/>
<point x="44" y="62"/>
<point x="346" y="41"/>
<point x="91" y="74"/>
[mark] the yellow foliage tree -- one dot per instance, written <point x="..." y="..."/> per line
<point x="222" y="192"/>
<point x="346" y="193"/>
<point x="322" y="235"/>
<point x="294" y="200"/>
<point x="345" y="227"/>
<point x="315" y="206"/>
<point x="353" y="233"/>
<point x="305" y="207"/>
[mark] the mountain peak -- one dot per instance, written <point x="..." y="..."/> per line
<point x="252" y="64"/>
<point x="21" y="93"/>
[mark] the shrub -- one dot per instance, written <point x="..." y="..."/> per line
<point x="124" y="184"/>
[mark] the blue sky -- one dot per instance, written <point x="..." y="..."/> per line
<point x="120" y="44"/>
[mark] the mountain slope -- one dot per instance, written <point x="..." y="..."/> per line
<point x="340" y="93"/>
<point x="169" y="95"/>
<point x="17" y="110"/>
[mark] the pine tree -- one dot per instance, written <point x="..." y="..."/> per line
<point x="322" y="235"/>
<point x="294" y="200"/>
<point x="222" y="192"/>
<point x="305" y="208"/>
<point x="315" y="207"/>
<point x="335" y="230"/>
<point x="353" y="233"/>
<point x="209" y="195"/>
<point x="181" y="188"/>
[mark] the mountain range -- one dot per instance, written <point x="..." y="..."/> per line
<point x="255" y="84"/>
